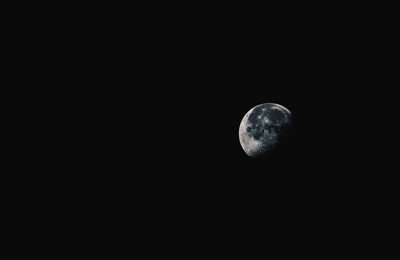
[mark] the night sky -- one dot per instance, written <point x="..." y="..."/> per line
<point x="168" y="111"/>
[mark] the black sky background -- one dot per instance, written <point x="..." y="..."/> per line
<point x="159" y="128"/>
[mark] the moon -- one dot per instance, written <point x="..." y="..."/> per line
<point x="262" y="127"/>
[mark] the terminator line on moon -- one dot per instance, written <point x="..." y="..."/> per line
<point x="262" y="128"/>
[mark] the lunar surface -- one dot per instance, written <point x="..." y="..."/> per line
<point x="262" y="128"/>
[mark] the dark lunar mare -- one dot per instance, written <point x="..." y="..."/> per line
<point x="276" y="118"/>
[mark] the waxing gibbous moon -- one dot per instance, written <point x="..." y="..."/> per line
<point x="262" y="128"/>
